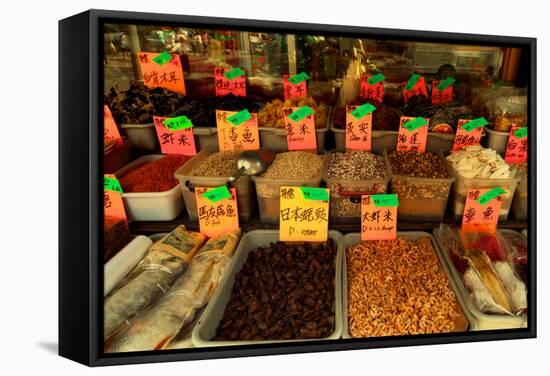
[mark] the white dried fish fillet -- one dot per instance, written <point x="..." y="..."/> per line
<point x="481" y="296"/>
<point x="516" y="289"/>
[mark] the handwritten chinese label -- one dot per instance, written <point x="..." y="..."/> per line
<point x="244" y="136"/>
<point x="379" y="217"/>
<point x="168" y="75"/>
<point x="299" y="89"/>
<point x="217" y="211"/>
<point x="300" y="133"/>
<point x="303" y="218"/>
<point x="482" y="209"/>
<point x="110" y="130"/>
<point x="442" y="91"/>
<point x="358" y="130"/>
<point x="178" y="141"/>
<point x="476" y="123"/>
<point x="517" y="146"/>
<point x="233" y="82"/>
<point x="372" y="87"/>
<point x="415" y="86"/>
<point x="113" y="206"/>
<point x="413" y="134"/>
<point x="464" y="137"/>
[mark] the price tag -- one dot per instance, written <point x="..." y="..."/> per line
<point x="110" y="130"/>
<point x="237" y="130"/>
<point x="113" y="206"/>
<point x="230" y="81"/>
<point x="464" y="137"/>
<point x="167" y="74"/>
<point x="372" y="87"/>
<point x="298" y="89"/>
<point x="415" y="86"/>
<point x="482" y="209"/>
<point x="303" y="214"/>
<point x="379" y="217"/>
<point x="517" y="146"/>
<point x="300" y="128"/>
<point x="175" y="135"/>
<point x="476" y="123"/>
<point x="442" y="91"/>
<point x="358" y="129"/>
<point x="413" y="134"/>
<point x="217" y="210"/>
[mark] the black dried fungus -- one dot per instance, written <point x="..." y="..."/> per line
<point x="384" y="118"/>
<point x="282" y="292"/>
<point x="420" y="165"/>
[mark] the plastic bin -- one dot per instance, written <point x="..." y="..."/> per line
<point x="151" y="206"/>
<point x="268" y="190"/>
<point x="462" y="185"/>
<point x="479" y="320"/>
<point x="188" y="183"/>
<point x="497" y="140"/>
<point x="352" y="239"/>
<point x="212" y="315"/>
<point x="440" y="142"/>
<point x="519" y="203"/>
<point x="420" y="199"/>
<point x="117" y="157"/>
<point x="345" y="195"/>
<point x="206" y="138"/>
<point x="142" y="136"/>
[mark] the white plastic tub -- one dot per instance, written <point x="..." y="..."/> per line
<point x="497" y="140"/>
<point x="212" y="315"/>
<point x="151" y="206"/>
<point x="206" y="138"/>
<point x="142" y="136"/>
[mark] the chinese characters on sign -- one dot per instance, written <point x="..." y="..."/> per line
<point x="413" y="134"/>
<point x="372" y="87"/>
<point x="299" y="89"/>
<point x="517" y="146"/>
<point x="233" y="82"/>
<point x="168" y="75"/>
<point x="241" y="136"/>
<point x="482" y="209"/>
<point x="464" y="137"/>
<point x="415" y="86"/>
<point x="442" y="91"/>
<point x="113" y="206"/>
<point x="217" y="210"/>
<point x="303" y="214"/>
<point x="379" y="217"/>
<point x="180" y="141"/>
<point x="358" y="130"/>
<point x="300" y="130"/>
<point x="110" y="130"/>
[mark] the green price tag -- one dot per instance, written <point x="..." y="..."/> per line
<point x="239" y="117"/>
<point x="217" y="194"/>
<point x="234" y="73"/>
<point x="295" y="80"/>
<point x="111" y="184"/>
<point x="476" y="123"/>
<point x="488" y="196"/>
<point x="363" y="110"/>
<point x="445" y="83"/>
<point x="301" y="113"/>
<point x="521" y="132"/>
<point x="376" y="79"/>
<point x="385" y="200"/>
<point x="314" y="193"/>
<point x="413" y="124"/>
<point x="412" y="81"/>
<point x="177" y="123"/>
<point x="163" y="58"/>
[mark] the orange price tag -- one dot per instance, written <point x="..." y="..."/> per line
<point x="300" y="135"/>
<point x="303" y="214"/>
<point x="168" y="75"/>
<point x="464" y="138"/>
<point x="516" y="148"/>
<point x="419" y="88"/>
<point x="224" y="85"/>
<point x="441" y="96"/>
<point x="291" y="90"/>
<point x="481" y="217"/>
<point x="113" y="206"/>
<point x="217" y="214"/>
<point x="358" y="131"/>
<point x="368" y="91"/>
<point x="174" y="142"/>
<point x="378" y="222"/>
<point x="110" y="130"/>
<point x="243" y="136"/>
<point x="415" y="137"/>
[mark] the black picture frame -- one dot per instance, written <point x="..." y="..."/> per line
<point x="80" y="188"/>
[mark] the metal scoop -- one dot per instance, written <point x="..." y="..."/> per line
<point x="251" y="163"/>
